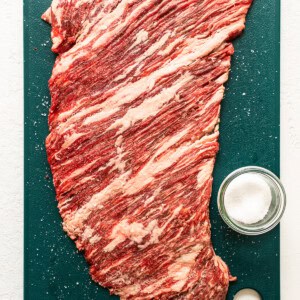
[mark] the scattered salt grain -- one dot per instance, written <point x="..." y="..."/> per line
<point x="248" y="198"/>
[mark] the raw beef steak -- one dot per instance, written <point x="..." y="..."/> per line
<point x="136" y="92"/>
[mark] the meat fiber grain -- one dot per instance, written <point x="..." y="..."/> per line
<point x="136" y="92"/>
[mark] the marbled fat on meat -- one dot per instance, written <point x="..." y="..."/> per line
<point x="136" y="92"/>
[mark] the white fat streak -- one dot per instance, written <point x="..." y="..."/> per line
<point x="194" y="49"/>
<point x="157" y="231"/>
<point x="81" y="2"/>
<point x="134" y="231"/>
<point x="103" y="22"/>
<point x="93" y="252"/>
<point x="178" y="271"/>
<point x="154" y="166"/>
<point x="76" y="52"/>
<point x="99" y="116"/>
<point x="183" y="273"/>
<point x="112" y="245"/>
<point x="154" y="195"/>
<point x="152" y="49"/>
<point x="74" y="222"/>
<point x="57" y="10"/>
<point x="56" y="40"/>
<point x="130" y="92"/>
<point x="118" y="161"/>
<point x="87" y="233"/>
<point x="63" y="203"/>
<point x="141" y="37"/>
<point x="95" y="239"/>
<point x="223" y="78"/>
<point x="131" y="290"/>
<point x="85" y="179"/>
<point x="214" y="121"/>
<point x="150" y="106"/>
<point x="218" y="262"/>
<point x="63" y="62"/>
<point x="205" y="173"/>
<point x="115" y="15"/>
<point x="80" y="171"/>
<point x="217" y="97"/>
<point x="170" y="47"/>
<point x="114" y="161"/>
<point x="127" y="71"/>
<point x="119" y="141"/>
<point x="173" y="140"/>
<point x="150" y="288"/>
<point x="117" y="263"/>
<point x="70" y="139"/>
<point x="122" y="76"/>
<point x="181" y="268"/>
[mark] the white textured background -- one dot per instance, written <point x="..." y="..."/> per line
<point x="11" y="149"/>
<point x="290" y="148"/>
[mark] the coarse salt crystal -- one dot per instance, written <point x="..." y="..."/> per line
<point x="248" y="198"/>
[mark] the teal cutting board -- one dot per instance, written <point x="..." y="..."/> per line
<point x="54" y="269"/>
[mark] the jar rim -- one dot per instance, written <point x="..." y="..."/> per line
<point x="264" y="227"/>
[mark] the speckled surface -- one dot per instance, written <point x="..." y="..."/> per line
<point x="11" y="152"/>
<point x="249" y="136"/>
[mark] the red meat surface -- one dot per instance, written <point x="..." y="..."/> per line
<point x="136" y="91"/>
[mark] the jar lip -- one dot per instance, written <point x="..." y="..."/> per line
<point x="280" y="209"/>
